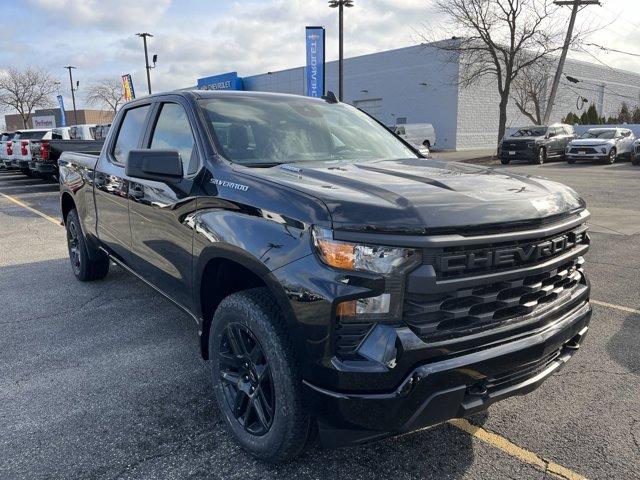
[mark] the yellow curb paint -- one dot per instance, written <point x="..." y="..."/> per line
<point x="617" y="307"/>
<point x="33" y="210"/>
<point x="515" y="451"/>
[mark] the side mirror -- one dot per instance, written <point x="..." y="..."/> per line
<point x="156" y="165"/>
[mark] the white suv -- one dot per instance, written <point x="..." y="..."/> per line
<point x="603" y="144"/>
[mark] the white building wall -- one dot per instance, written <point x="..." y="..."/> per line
<point x="477" y="125"/>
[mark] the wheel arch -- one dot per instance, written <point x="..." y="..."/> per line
<point x="223" y="271"/>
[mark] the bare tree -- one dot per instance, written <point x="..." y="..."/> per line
<point x="499" y="39"/>
<point x="26" y="90"/>
<point x="106" y="92"/>
<point x="529" y="90"/>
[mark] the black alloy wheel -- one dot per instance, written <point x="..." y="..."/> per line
<point x="73" y="242"/>
<point x="246" y="378"/>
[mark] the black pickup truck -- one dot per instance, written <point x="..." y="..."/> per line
<point x="342" y="284"/>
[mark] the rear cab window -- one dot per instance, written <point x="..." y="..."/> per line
<point x="130" y="133"/>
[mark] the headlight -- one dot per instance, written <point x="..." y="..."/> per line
<point x="391" y="262"/>
<point x="368" y="258"/>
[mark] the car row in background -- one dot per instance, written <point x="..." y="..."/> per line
<point x="35" y="152"/>
<point x="540" y="143"/>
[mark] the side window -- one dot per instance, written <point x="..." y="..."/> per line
<point x="130" y="133"/>
<point x="173" y="132"/>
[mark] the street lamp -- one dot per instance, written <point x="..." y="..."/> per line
<point x="73" y="90"/>
<point x="148" y="67"/>
<point x="340" y="4"/>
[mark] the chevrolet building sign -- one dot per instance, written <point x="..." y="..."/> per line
<point x="44" y="121"/>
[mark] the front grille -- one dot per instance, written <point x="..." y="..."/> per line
<point x="587" y="150"/>
<point x="440" y="317"/>
<point x="515" y="146"/>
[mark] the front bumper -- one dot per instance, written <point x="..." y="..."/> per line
<point x="527" y="154"/>
<point x="593" y="157"/>
<point x="451" y="388"/>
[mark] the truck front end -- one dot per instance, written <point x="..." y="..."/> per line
<point x="404" y="332"/>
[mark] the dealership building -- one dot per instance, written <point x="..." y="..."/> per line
<point x="416" y="85"/>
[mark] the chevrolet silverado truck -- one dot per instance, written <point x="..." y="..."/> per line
<point x="342" y="284"/>
<point x="537" y="144"/>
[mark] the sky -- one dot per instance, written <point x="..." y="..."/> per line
<point x="194" y="38"/>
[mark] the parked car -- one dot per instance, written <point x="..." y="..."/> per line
<point x="417" y="134"/>
<point x="537" y="143"/>
<point x="636" y="152"/>
<point x="21" y="150"/>
<point x="602" y="144"/>
<point x="345" y="287"/>
<point x="5" y="149"/>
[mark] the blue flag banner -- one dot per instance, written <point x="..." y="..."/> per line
<point x="315" y="61"/>
<point x="63" y="120"/>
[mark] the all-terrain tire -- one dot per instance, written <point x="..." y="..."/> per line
<point x="84" y="268"/>
<point x="254" y="317"/>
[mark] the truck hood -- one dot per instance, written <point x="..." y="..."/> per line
<point x="591" y="142"/>
<point x="415" y="195"/>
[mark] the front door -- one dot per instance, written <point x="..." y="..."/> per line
<point x="161" y="237"/>
<point x="111" y="187"/>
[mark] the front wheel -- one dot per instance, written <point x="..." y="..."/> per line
<point x="84" y="268"/>
<point x="504" y="161"/>
<point x="257" y="381"/>
<point x="542" y="155"/>
<point x="635" y="160"/>
<point x="611" y="158"/>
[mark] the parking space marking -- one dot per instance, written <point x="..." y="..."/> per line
<point x="617" y="307"/>
<point x="33" y="210"/>
<point x="514" y="450"/>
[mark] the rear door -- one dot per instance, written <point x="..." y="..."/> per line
<point x="161" y="238"/>
<point x="111" y="189"/>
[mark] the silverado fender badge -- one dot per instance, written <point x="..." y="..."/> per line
<point x="224" y="183"/>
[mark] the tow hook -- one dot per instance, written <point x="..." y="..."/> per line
<point x="479" y="390"/>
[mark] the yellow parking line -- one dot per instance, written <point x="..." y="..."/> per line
<point x="37" y="212"/>
<point x="617" y="307"/>
<point x="514" y="450"/>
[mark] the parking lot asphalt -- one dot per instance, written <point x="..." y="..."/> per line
<point x="104" y="380"/>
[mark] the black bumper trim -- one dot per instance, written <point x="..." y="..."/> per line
<point x="451" y="388"/>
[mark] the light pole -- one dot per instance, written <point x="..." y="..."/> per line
<point x="340" y="4"/>
<point x="73" y="96"/>
<point x="144" y="36"/>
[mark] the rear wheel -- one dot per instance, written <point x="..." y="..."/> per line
<point x="84" y="268"/>
<point x="256" y="378"/>
<point x="504" y="161"/>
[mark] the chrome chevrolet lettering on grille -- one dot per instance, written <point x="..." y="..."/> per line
<point x="510" y="255"/>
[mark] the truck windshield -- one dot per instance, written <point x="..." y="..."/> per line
<point x="269" y="131"/>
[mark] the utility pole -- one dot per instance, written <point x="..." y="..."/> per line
<point x="73" y="96"/>
<point x="144" y="36"/>
<point x="340" y="4"/>
<point x="576" y="4"/>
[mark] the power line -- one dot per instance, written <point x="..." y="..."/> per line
<point x="607" y="49"/>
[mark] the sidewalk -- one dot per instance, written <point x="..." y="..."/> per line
<point x="481" y="155"/>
